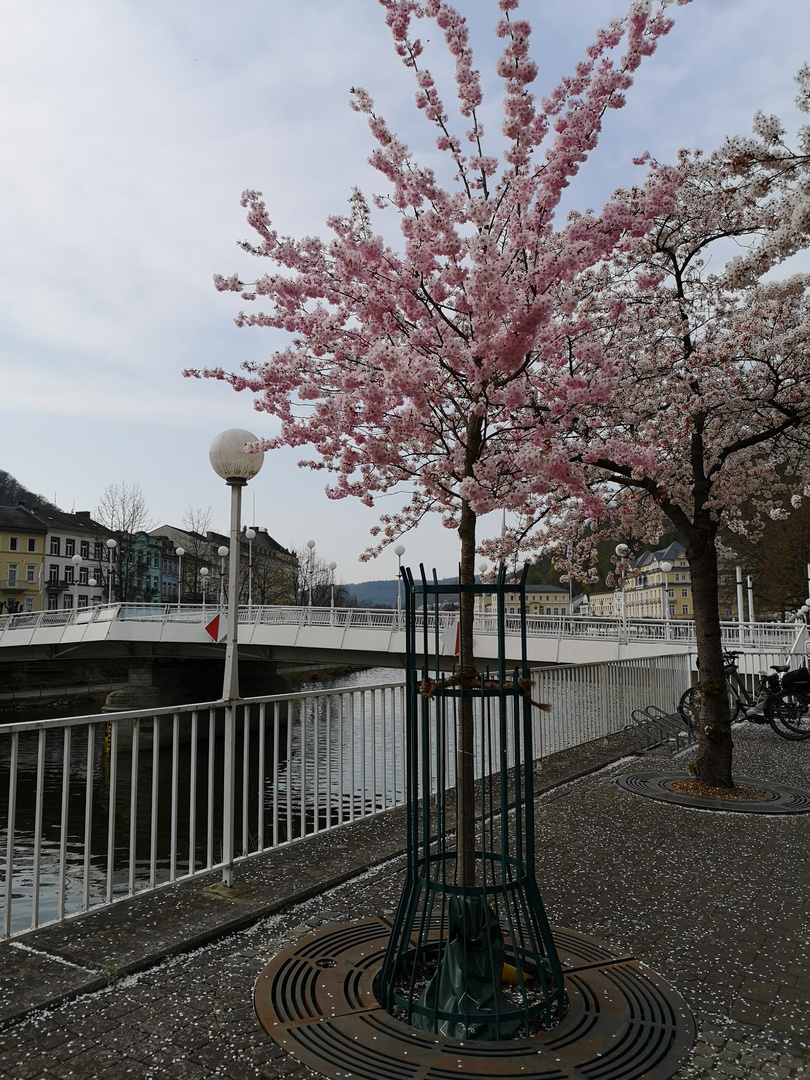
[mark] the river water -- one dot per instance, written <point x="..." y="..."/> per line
<point x="298" y="769"/>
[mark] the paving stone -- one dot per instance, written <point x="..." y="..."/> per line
<point x="714" y="903"/>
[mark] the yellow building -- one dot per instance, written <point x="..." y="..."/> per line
<point x="22" y="550"/>
<point x="656" y="585"/>
<point x="657" y="578"/>
<point x="541" y="600"/>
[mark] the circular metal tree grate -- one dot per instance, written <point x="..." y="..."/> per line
<point x="319" y="1001"/>
<point x="776" y="798"/>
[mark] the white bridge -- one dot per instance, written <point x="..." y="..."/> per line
<point x="361" y="636"/>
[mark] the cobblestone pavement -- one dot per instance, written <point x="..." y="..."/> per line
<point x="715" y="903"/>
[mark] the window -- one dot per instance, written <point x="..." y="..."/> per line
<point x="12" y="573"/>
<point x="684" y="594"/>
<point x="67" y="601"/>
<point x="82" y="600"/>
<point x="32" y="545"/>
<point x="69" y="574"/>
<point x="97" y="552"/>
<point x="30" y="572"/>
<point x="55" y="546"/>
<point x="29" y="603"/>
<point x="53" y="572"/>
<point x="685" y="609"/>
<point x="84" y="575"/>
<point x="53" y="603"/>
<point x="70" y="548"/>
<point x="84" y="549"/>
<point x="14" y="543"/>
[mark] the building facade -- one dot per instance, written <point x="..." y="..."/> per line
<point x="22" y="551"/>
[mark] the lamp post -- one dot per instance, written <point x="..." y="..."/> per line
<point x="622" y="551"/>
<point x="203" y="583"/>
<point x="399" y="551"/>
<point x="311" y="546"/>
<point x="222" y="551"/>
<point x="332" y="568"/>
<point x="230" y="460"/>
<point x="111" y="546"/>
<point x="250" y="534"/>
<point x="665" y="569"/>
<point x="92" y="584"/>
<point x="236" y="466"/>
<point x="749" y="581"/>
<point x="76" y="560"/>
<point x="179" y="552"/>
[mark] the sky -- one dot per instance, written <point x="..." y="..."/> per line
<point x="129" y="129"/>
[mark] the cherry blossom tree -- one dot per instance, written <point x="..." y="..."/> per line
<point x="441" y="367"/>
<point x="709" y="427"/>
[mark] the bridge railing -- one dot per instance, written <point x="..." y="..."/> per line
<point x="756" y="635"/>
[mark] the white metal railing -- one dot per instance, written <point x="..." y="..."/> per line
<point x="97" y="808"/>
<point x="682" y="631"/>
<point x="591" y="701"/>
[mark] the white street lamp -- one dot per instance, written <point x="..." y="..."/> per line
<point x="111" y="546"/>
<point x="665" y="569"/>
<point x="230" y="460"/>
<point x="203" y="583"/>
<point x="236" y="466"/>
<point x="179" y="552"/>
<point x="311" y="546"/>
<point x="622" y="551"/>
<point x="399" y="551"/>
<point x="250" y="534"/>
<point x="222" y="551"/>
<point x="332" y="568"/>
<point x="76" y="560"/>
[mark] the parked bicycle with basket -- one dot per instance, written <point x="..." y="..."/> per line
<point x="782" y="699"/>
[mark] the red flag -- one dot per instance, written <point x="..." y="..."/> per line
<point x="213" y="628"/>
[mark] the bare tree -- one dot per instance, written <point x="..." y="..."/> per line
<point x="123" y="512"/>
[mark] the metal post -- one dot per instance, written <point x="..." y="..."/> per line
<point x="179" y="552"/>
<point x="230" y="684"/>
<point x="750" y="586"/>
<point x="740" y="610"/>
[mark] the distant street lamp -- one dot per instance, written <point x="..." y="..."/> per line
<point x="311" y="546"/>
<point x="622" y="551"/>
<point x="203" y="583"/>
<point x="222" y="551"/>
<point x="92" y="583"/>
<point x="332" y="568"/>
<point x="76" y="560"/>
<point x="111" y="546"/>
<point x="179" y="552"/>
<point x="665" y="569"/>
<point x="250" y="534"/>
<point x="399" y="551"/>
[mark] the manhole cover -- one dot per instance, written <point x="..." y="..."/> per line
<point x="776" y="798"/>
<point x="317" y="1001"/>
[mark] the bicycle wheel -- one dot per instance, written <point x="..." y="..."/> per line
<point x="789" y="715"/>
<point x="735" y="705"/>
<point x="689" y="707"/>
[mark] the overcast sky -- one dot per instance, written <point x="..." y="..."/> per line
<point x="128" y="130"/>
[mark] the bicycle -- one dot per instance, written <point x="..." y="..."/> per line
<point x="782" y="699"/>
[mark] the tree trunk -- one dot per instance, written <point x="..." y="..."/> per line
<point x="465" y="776"/>
<point x="713" y="765"/>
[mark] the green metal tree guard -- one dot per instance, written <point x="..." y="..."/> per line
<point x="470" y="961"/>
